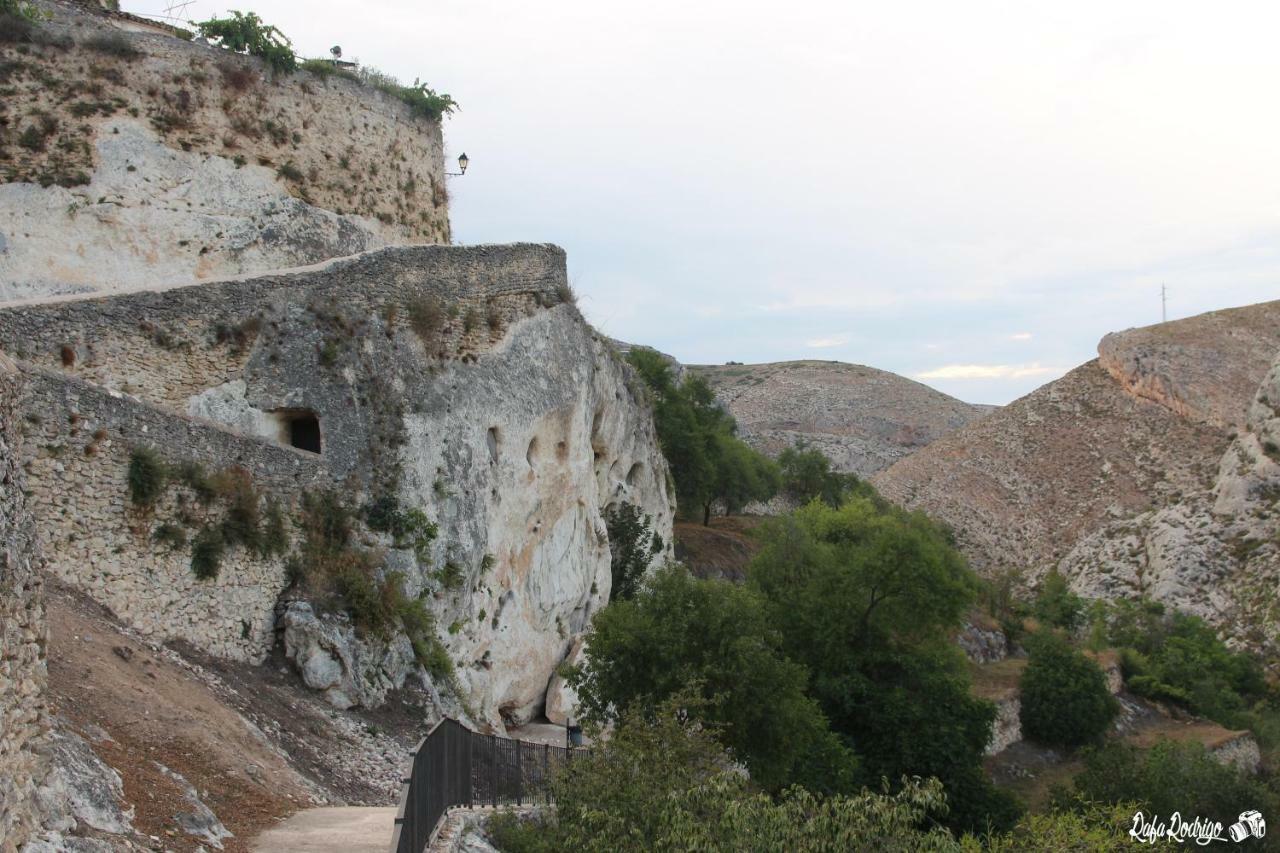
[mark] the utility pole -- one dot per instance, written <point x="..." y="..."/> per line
<point x="1164" y="304"/>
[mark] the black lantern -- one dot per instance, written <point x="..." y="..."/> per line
<point x="463" y="160"/>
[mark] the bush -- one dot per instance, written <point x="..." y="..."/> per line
<point x="1065" y="700"/>
<point x="1055" y="604"/>
<point x="422" y="100"/>
<point x="243" y="33"/>
<point x="207" y="549"/>
<point x="1170" y="777"/>
<point x="1176" y="657"/>
<point x="663" y="782"/>
<point x="147" y="477"/>
<point x="807" y="474"/>
<point x="632" y="545"/>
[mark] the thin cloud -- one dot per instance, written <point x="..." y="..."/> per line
<point x="1021" y="336"/>
<point x="990" y="371"/>
<point x="827" y="343"/>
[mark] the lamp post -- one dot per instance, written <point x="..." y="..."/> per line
<point x="463" y="161"/>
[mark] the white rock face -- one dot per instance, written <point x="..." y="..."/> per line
<point x="534" y="441"/>
<point x="1212" y="553"/>
<point x="154" y="215"/>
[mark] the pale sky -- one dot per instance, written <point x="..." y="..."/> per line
<point x="969" y="194"/>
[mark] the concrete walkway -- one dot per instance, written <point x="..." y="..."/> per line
<point x="350" y="829"/>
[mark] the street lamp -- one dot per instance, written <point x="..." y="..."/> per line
<point x="463" y="160"/>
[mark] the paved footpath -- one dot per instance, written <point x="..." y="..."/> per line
<point x="350" y="829"/>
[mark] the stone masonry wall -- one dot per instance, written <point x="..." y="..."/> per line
<point x="23" y="719"/>
<point x="149" y="160"/>
<point x="79" y="439"/>
<point x="163" y="346"/>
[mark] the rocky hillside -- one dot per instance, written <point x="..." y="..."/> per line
<point x="1110" y="470"/>
<point x="129" y="160"/>
<point x="863" y="419"/>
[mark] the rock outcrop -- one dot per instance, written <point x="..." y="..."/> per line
<point x="863" y="419"/>
<point x="136" y="160"/>
<point x="455" y="382"/>
<point x="1144" y="472"/>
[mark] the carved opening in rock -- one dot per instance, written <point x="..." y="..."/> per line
<point x="634" y="474"/>
<point x="532" y="451"/>
<point x="492" y="440"/>
<point x="562" y="450"/>
<point x="299" y="428"/>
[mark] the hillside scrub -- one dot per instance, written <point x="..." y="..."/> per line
<point x="1065" y="700"/>
<point x="632" y="544"/>
<point x="709" y="463"/>
<point x="1170" y="777"/>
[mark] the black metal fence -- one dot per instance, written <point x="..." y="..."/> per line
<point x="454" y="766"/>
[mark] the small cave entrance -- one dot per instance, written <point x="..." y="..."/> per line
<point x="300" y="428"/>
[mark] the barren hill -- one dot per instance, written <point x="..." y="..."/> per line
<point x="1141" y="429"/>
<point x="864" y="419"/>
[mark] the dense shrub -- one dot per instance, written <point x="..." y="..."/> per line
<point x="426" y="318"/>
<point x="1065" y="700"/>
<point x="113" y="43"/>
<point x="1170" y="777"/>
<point x="632" y="545"/>
<point x="1176" y="657"/>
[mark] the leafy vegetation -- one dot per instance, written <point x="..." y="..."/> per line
<point x="1065" y="700"/>
<point x="709" y="463"/>
<point x="806" y="473"/>
<point x="1170" y="777"/>
<point x="409" y="528"/>
<point x="1055" y="604"/>
<point x="1175" y="657"/>
<point x="867" y="599"/>
<point x="207" y="549"/>
<point x="247" y="33"/>
<point x="681" y="634"/>
<point x="147" y="477"/>
<point x="664" y="782"/>
<point x="632" y="545"/>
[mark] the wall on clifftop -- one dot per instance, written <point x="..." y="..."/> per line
<point x="159" y="161"/>
<point x="460" y="381"/>
<point x="23" y="717"/>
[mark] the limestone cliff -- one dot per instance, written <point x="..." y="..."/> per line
<point x="132" y="160"/>
<point x="1143" y="472"/>
<point x="863" y="419"/>
<point x="459" y="381"/>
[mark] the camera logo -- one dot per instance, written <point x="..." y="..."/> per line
<point x="1250" y="825"/>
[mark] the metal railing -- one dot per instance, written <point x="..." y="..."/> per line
<point x="454" y="766"/>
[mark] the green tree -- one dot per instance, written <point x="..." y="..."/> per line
<point x="1065" y="700"/>
<point x="708" y="462"/>
<point x="807" y="474"/>
<point x="1055" y="604"/>
<point x="867" y="600"/>
<point x="632" y="545"/>
<point x="680" y="633"/>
